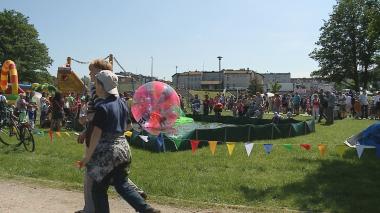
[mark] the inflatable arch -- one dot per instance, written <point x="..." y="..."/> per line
<point x="9" y="66"/>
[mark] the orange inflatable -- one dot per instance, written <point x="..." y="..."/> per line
<point x="9" y="66"/>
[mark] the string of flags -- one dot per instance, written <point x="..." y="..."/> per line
<point x="340" y="149"/>
<point x="52" y="133"/>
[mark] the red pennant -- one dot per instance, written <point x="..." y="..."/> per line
<point x="306" y="146"/>
<point x="51" y="135"/>
<point x="194" y="145"/>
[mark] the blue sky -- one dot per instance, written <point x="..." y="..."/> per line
<point x="273" y="36"/>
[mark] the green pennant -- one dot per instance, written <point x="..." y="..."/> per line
<point x="289" y="147"/>
<point x="177" y="141"/>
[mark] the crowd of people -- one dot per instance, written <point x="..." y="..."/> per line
<point x="320" y="105"/>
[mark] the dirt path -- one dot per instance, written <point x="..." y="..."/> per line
<point x="17" y="197"/>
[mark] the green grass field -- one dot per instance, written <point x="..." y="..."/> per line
<point x="283" y="180"/>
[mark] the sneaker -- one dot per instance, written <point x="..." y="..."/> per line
<point x="151" y="210"/>
<point x="143" y="195"/>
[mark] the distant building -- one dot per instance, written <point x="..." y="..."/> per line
<point x="310" y="85"/>
<point x="272" y="78"/>
<point x="241" y="79"/>
<point x="216" y="80"/>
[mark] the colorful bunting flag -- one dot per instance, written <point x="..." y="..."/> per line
<point x="194" y="145"/>
<point x="248" y="148"/>
<point x="212" y="145"/>
<point x="340" y="149"/>
<point x="161" y="143"/>
<point x="144" y="138"/>
<point x="306" y="146"/>
<point x="230" y="147"/>
<point x="322" y="149"/>
<point x="67" y="134"/>
<point x="58" y="134"/>
<point x="128" y="133"/>
<point x="177" y="141"/>
<point x="51" y="135"/>
<point x="268" y="148"/>
<point x="289" y="147"/>
<point x="359" y="150"/>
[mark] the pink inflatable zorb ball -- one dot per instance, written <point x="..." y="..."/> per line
<point x="156" y="107"/>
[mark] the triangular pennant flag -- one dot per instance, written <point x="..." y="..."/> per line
<point x="212" y="145"/>
<point x="230" y="147"/>
<point x="128" y="134"/>
<point x="194" y="145"/>
<point x="248" y="148"/>
<point x="322" y="149"/>
<point x="144" y="138"/>
<point x="359" y="150"/>
<point x="268" y="148"/>
<point x="378" y="150"/>
<point x="67" y="134"/>
<point x="177" y="141"/>
<point x="306" y="146"/>
<point x="51" y="135"/>
<point x="58" y="134"/>
<point x="289" y="147"/>
<point x="161" y="143"/>
<point x="340" y="149"/>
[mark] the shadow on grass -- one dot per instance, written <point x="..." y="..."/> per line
<point x="347" y="185"/>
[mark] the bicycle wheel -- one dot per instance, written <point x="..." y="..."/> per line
<point x="10" y="134"/>
<point x="27" y="138"/>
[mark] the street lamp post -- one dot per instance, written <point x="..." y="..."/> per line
<point x="220" y="59"/>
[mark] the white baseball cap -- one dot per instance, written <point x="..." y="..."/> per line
<point x="109" y="81"/>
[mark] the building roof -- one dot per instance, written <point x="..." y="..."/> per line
<point x="238" y="71"/>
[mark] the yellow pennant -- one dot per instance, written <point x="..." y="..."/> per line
<point x="340" y="149"/>
<point x="230" y="147"/>
<point x="322" y="149"/>
<point x="212" y="145"/>
<point x="128" y="133"/>
<point x="58" y="134"/>
<point x="67" y="134"/>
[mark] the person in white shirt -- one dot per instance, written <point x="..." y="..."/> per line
<point x="363" y="99"/>
<point x="3" y="103"/>
<point x="348" y="104"/>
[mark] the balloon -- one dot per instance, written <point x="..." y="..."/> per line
<point x="156" y="107"/>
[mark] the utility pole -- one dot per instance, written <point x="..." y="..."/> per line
<point x="220" y="79"/>
<point x="176" y="76"/>
<point x="151" y="67"/>
<point x="111" y="60"/>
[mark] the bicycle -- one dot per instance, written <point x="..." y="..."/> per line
<point x="15" y="131"/>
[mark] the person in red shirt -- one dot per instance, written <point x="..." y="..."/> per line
<point x="315" y="103"/>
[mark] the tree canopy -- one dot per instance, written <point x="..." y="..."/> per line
<point x="19" y="42"/>
<point x="349" y="43"/>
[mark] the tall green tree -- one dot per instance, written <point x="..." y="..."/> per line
<point x="275" y="87"/>
<point x="349" y="43"/>
<point x="19" y="42"/>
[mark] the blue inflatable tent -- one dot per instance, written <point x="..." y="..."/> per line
<point x="368" y="137"/>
